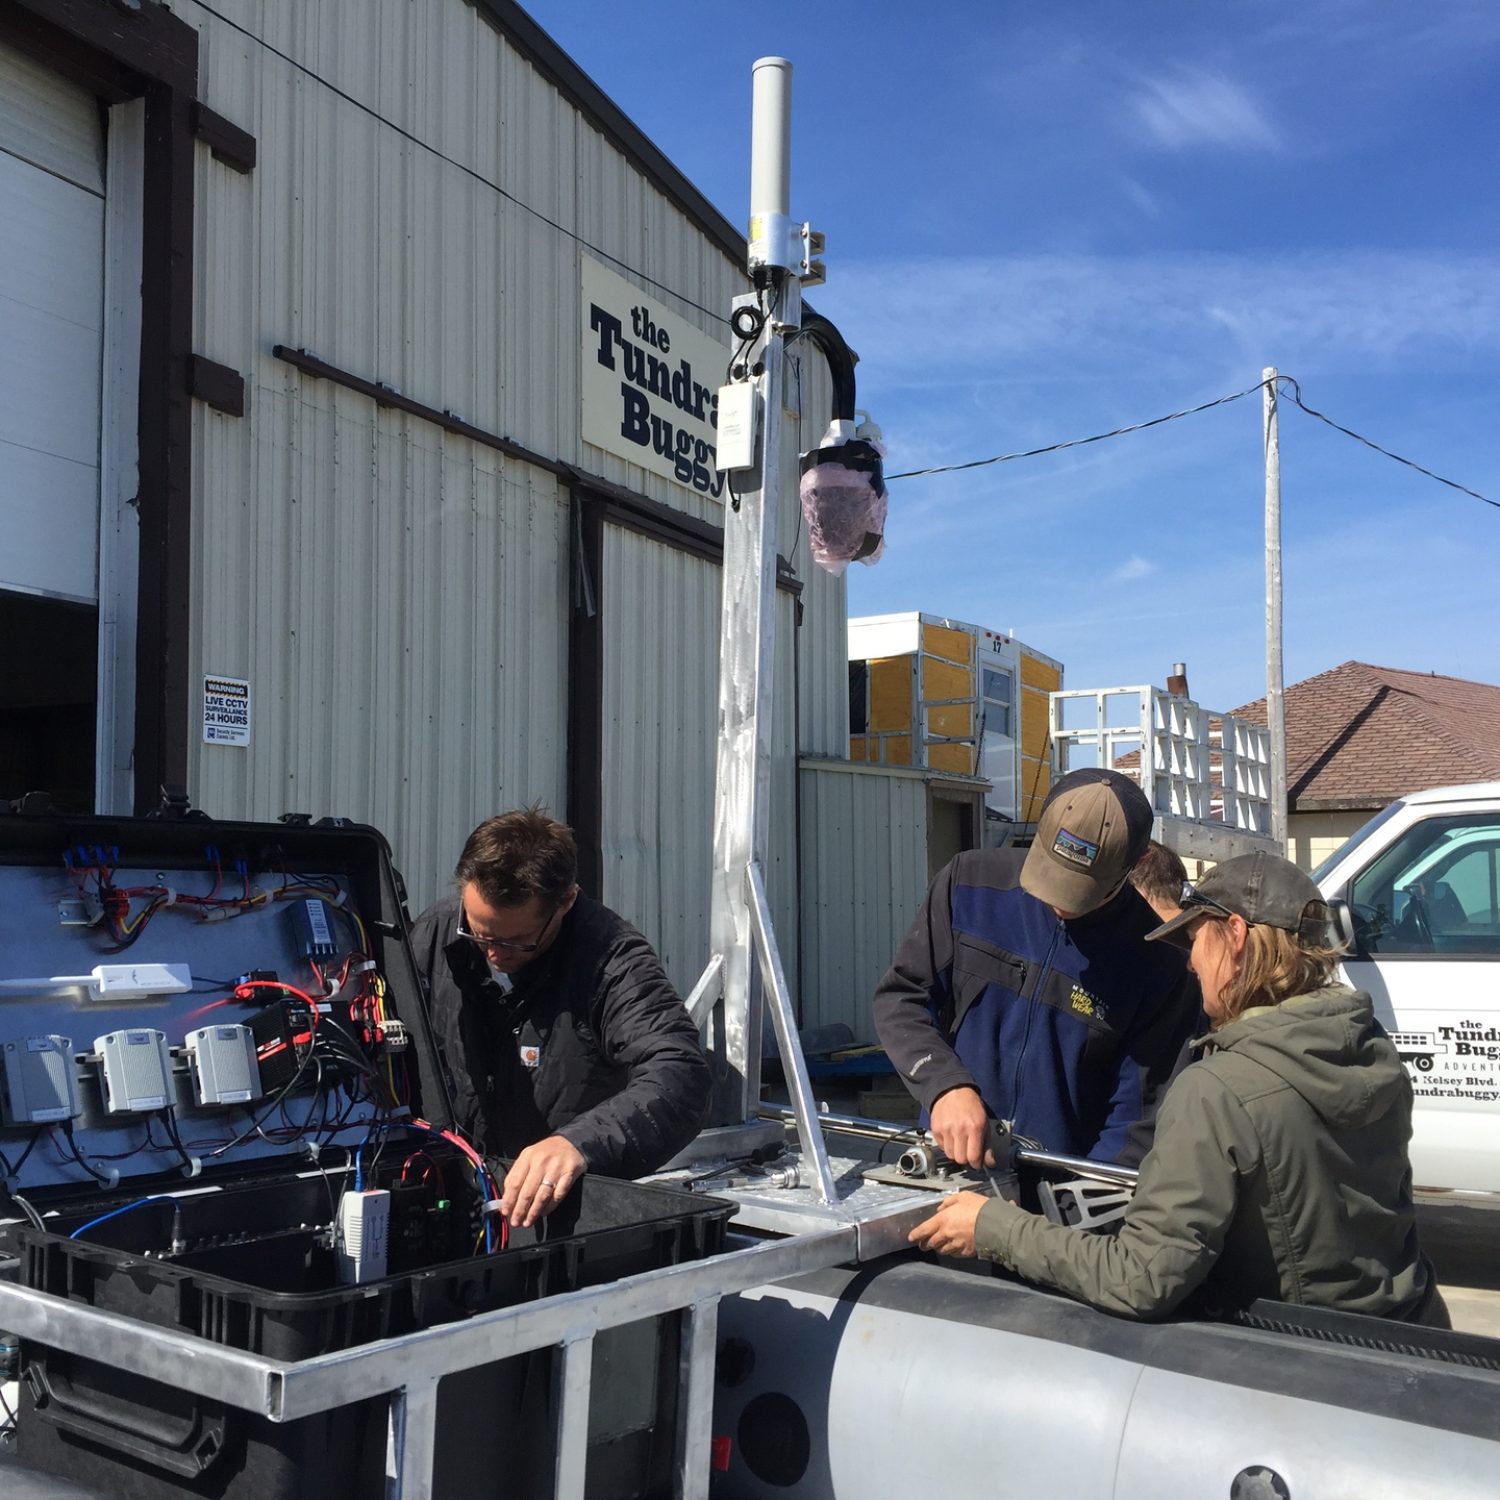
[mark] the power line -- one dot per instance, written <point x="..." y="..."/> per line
<point x="1295" y="393"/>
<point x="1098" y="437"/>
<point x="467" y="170"/>
<point x="1452" y="484"/>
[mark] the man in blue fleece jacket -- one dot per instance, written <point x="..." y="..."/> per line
<point x="1025" y="989"/>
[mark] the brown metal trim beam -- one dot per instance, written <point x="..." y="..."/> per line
<point x="229" y="144"/>
<point x="384" y="395"/>
<point x="164" y="628"/>
<point x="622" y="507"/>
<point x="585" y="789"/>
<point x="216" y="385"/>
<point x="112" y="49"/>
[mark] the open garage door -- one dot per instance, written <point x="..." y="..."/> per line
<point x="52" y="310"/>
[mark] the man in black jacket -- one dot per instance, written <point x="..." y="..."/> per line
<point x="568" y="1047"/>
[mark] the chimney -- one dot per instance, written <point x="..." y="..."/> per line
<point x="1177" y="683"/>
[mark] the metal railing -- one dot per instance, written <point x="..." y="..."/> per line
<point x="1193" y="763"/>
<point x="407" y="1369"/>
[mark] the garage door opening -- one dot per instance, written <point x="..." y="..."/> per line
<point x="48" y="712"/>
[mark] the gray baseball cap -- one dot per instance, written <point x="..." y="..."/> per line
<point x="1095" y="825"/>
<point x="1262" y="888"/>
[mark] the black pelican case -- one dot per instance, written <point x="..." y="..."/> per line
<point x="166" y="1196"/>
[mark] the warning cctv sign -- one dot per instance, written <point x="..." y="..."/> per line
<point x="226" y="711"/>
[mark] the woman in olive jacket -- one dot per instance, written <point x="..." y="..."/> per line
<point x="1280" y="1165"/>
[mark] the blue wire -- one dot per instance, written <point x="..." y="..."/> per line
<point x="114" y="1213"/>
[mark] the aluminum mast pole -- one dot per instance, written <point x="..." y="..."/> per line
<point x="739" y="921"/>
<point x="1275" y="705"/>
<point x="748" y="637"/>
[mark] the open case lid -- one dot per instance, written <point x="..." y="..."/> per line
<point x="184" y="1001"/>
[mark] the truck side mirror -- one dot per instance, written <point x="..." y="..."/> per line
<point x="1341" y="918"/>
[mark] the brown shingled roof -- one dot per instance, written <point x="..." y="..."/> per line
<point x="1360" y="736"/>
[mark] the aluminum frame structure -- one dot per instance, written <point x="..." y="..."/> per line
<point x="407" y="1369"/>
<point x="1205" y="773"/>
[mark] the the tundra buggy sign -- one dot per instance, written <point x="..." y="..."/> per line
<point x="650" y="383"/>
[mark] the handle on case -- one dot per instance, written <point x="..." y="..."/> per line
<point x="185" y="1445"/>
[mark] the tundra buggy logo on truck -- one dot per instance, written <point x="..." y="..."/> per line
<point x="1418" y="1048"/>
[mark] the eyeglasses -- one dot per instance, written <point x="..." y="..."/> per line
<point x="491" y="944"/>
<point x="1208" y="904"/>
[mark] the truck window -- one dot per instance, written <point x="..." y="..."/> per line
<point x="1436" y="890"/>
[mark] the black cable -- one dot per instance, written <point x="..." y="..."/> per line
<point x="15" y="1171"/>
<point x="66" y="1126"/>
<point x="170" y="1115"/>
<point x="270" y="1109"/>
<point x="468" y="171"/>
<point x="1098" y="437"/>
<point x="1295" y="392"/>
<point x="1453" y="484"/>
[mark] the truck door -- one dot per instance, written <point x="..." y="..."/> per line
<point x="1427" y="922"/>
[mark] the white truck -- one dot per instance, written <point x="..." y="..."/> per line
<point x="1416" y="892"/>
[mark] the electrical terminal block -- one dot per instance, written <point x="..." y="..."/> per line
<point x="86" y="910"/>
<point x="394" y="1036"/>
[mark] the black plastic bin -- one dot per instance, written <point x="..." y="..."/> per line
<point x="141" y="1440"/>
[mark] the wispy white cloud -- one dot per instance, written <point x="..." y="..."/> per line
<point x="1140" y="196"/>
<point x="1083" y="316"/>
<point x="1195" y="107"/>
<point x="1132" y="568"/>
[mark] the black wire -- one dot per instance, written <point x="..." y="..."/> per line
<point x="271" y="1108"/>
<point x="1453" y="484"/>
<point x="1098" y="437"/>
<point x="66" y="1127"/>
<point x="10" y="1416"/>
<point x="468" y="171"/>
<point x="1295" y="392"/>
<point x="170" y="1114"/>
<point x="15" y="1171"/>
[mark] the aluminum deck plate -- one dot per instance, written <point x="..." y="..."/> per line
<point x="883" y="1214"/>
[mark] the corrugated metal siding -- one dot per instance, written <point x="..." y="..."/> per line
<point x="397" y="601"/>
<point x="661" y="668"/>
<point x="398" y="597"/>
<point x="864" y="872"/>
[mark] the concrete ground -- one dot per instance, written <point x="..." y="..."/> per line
<point x="1461" y="1233"/>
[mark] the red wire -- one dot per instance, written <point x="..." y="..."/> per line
<point x="242" y="989"/>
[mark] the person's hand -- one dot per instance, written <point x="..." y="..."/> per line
<point x="960" y="1124"/>
<point x="950" y="1231"/>
<point x="540" y="1179"/>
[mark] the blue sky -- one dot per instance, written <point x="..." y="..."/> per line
<point x="1045" y="221"/>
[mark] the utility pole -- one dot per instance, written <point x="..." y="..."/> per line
<point x="1275" y="704"/>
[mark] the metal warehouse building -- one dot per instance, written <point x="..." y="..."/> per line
<point x="353" y="459"/>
